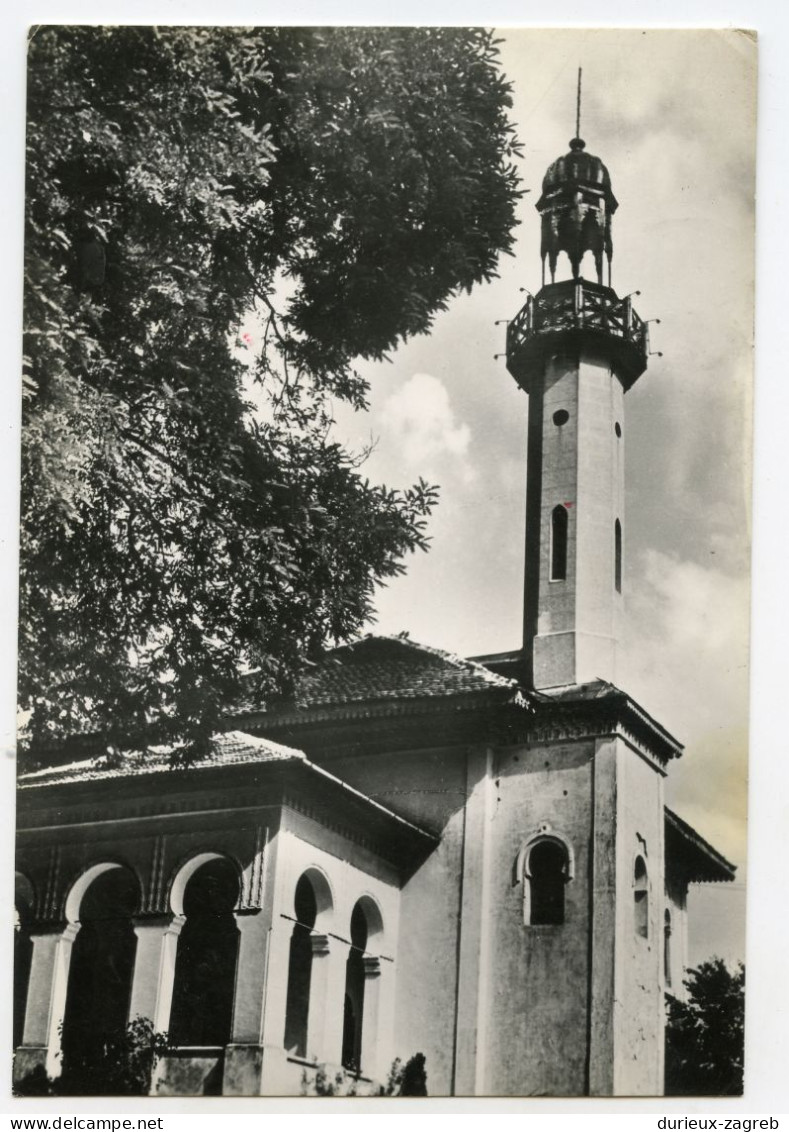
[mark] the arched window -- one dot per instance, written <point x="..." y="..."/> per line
<point x="23" y="951"/>
<point x="353" y="1007"/>
<point x="102" y="965"/>
<point x="546" y="875"/>
<point x="641" y="898"/>
<point x="205" y="967"/>
<point x="618" y="556"/>
<point x="300" y="969"/>
<point x="667" y="946"/>
<point x="559" y="544"/>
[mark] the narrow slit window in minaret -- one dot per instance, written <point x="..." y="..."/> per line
<point x="618" y="556"/>
<point x="558" y="544"/>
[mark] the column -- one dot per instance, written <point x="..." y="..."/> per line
<point x="46" y="1000"/>
<point x="275" y="1078"/>
<point x="336" y="963"/>
<point x="244" y="1054"/>
<point x="154" y="968"/>
<point x="319" y="986"/>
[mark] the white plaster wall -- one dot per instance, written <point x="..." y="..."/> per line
<point x="677" y="904"/>
<point x="554" y="647"/>
<point x="580" y="619"/>
<point x="600" y="502"/>
<point x="297" y="851"/>
<point x="639" y="1012"/>
<point x="537" y="978"/>
<point x="430" y="788"/>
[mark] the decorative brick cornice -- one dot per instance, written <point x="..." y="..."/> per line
<point x="574" y="714"/>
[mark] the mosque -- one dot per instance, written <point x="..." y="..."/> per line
<point x="467" y="858"/>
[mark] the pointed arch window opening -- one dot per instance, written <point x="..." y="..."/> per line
<point x="545" y="866"/>
<point x="353" y="1003"/>
<point x="300" y="968"/>
<point x="559" y="539"/>
<point x="641" y="898"/>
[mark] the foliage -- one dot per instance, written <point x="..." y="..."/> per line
<point x="705" y="1035"/>
<point x="414" y="1081"/>
<point x="409" y="1080"/>
<point x="121" y="1065"/>
<point x="186" y="516"/>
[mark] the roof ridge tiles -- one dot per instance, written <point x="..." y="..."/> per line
<point x="452" y="658"/>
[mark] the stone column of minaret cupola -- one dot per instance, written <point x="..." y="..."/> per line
<point x="575" y="348"/>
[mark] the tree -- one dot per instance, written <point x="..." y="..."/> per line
<point x="122" y="1066"/>
<point x="705" y="1035"/>
<point x="191" y="532"/>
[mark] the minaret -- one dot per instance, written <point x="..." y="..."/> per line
<point x="575" y="348"/>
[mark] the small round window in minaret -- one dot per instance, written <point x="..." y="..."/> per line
<point x="561" y="417"/>
<point x="618" y="430"/>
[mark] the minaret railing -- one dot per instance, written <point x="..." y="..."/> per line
<point x="576" y="306"/>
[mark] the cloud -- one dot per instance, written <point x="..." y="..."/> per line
<point x="419" y="419"/>
<point x="686" y="659"/>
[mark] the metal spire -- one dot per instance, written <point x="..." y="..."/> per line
<point x="578" y="107"/>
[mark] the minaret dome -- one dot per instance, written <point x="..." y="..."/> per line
<point x="576" y="207"/>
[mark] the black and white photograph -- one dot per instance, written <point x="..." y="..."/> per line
<point x="385" y="562"/>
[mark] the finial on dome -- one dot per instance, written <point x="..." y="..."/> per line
<point x="576" y="206"/>
<point x="577" y="143"/>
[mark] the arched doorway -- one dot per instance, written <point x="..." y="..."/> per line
<point x="205" y="968"/>
<point x="101" y="968"/>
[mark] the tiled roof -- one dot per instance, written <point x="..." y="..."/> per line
<point x="703" y="861"/>
<point x="573" y="696"/>
<point x="228" y="748"/>
<point x="234" y="748"/>
<point x="379" y="668"/>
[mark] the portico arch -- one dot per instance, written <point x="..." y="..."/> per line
<point x="99" y="907"/>
<point x="205" y="892"/>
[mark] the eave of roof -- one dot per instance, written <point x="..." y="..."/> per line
<point x="231" y="750"/>
<point x="702" y="861"/>
<point x="600" y="694"/>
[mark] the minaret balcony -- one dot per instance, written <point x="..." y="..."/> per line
<point x="576" y="316"/>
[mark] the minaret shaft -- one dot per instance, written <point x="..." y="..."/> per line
<point x="573" y="607"/>
<point x="575" y="347"/>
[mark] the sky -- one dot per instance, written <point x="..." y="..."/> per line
<point x="671" y="126"/>
<point x="672" y="114"/>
